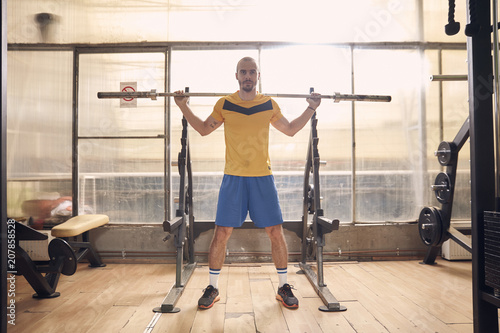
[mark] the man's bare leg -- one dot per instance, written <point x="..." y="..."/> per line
<point x="279" y="248"/>
<point x="216" y="256"/>
<point x="217" y="251"/>
<point x="280" y="257"/>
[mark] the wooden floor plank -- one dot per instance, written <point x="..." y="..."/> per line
<point x="143" y="315"/>
<point x="450" y="301"/>
<point x="361" y="319"/>
<point x="240" y="322"/>
<point x="327" y="321"/>
<point x="397" y="296"/>
<point x="210" y="320"/>
<point x="183" y="320"/>
<point x="113" y="320"/>
<point x="268" y="312"/>
<point x="239" y="297"/>
<point x="302" y="319"/>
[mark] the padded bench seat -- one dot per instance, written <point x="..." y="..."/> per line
<point x="79" y="224"/>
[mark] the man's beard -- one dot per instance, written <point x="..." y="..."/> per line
<point x="247" y="88"/>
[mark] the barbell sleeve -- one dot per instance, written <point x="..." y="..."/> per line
<point x="451" y="77"/>
<point x="337" y="97"/>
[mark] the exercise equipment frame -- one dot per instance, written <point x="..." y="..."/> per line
<point x="182" y="227"/>
<point x="320" y="225"/>
<point x="312" y="234"/>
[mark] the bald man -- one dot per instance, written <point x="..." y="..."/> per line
<point x="248" y="184"/>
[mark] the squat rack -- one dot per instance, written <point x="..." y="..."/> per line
<point x="312" y="233"/>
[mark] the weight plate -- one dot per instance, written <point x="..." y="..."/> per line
<point x="60" y="248"/>
<point x="443" y="188"/>
<point x="430" y="226"/>
<point x="444" y="152"/>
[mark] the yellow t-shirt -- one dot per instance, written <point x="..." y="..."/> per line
<point x="246" y="131"/>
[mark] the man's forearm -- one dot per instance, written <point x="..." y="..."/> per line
<point x="298" y="123"/>
<point x="203" y="127"/>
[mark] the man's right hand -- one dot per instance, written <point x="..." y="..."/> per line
<point x="181" y="100"/>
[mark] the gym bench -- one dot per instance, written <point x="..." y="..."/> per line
<point x="81" y="225"/>
<point x="62" y="256"/>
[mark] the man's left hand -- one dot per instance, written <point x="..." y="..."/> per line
<point x="314" y="101"/>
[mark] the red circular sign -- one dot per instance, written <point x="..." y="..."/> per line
<point x="128" y="88"/>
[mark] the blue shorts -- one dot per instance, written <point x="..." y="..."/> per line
<point x="239" y="196"/>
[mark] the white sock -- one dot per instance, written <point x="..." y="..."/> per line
<point x="282" y="276"/>
<point x="214" y="277"/>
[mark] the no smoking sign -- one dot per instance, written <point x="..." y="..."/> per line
<point x="129" y="102"/>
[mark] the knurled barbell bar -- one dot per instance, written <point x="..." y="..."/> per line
<point x="337" y="97"/>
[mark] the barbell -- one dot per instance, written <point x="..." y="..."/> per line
<point x="337" y="97"/>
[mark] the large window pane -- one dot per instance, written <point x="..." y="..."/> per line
<point x="39" y="133"/>
<point x="123" y="179"/>
<point x="121" y="149"/>
<point x="388" y="135"/>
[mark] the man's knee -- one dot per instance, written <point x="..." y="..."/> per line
<point x="275" y="232"/>
<point x="222" y="233"/>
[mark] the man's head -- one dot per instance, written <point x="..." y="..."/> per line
<point x="247" y="74"/>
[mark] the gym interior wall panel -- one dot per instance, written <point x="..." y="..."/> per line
<point x="38" y="130"/>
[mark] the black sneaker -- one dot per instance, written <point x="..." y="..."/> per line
<point x="285" y="296"/>
<point x="210" y="296"/>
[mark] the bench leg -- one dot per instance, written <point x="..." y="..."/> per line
<point x="45" y="287"/>
<point x="85" y="250"/>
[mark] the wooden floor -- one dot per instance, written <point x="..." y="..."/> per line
<point x="381" y="296"/>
